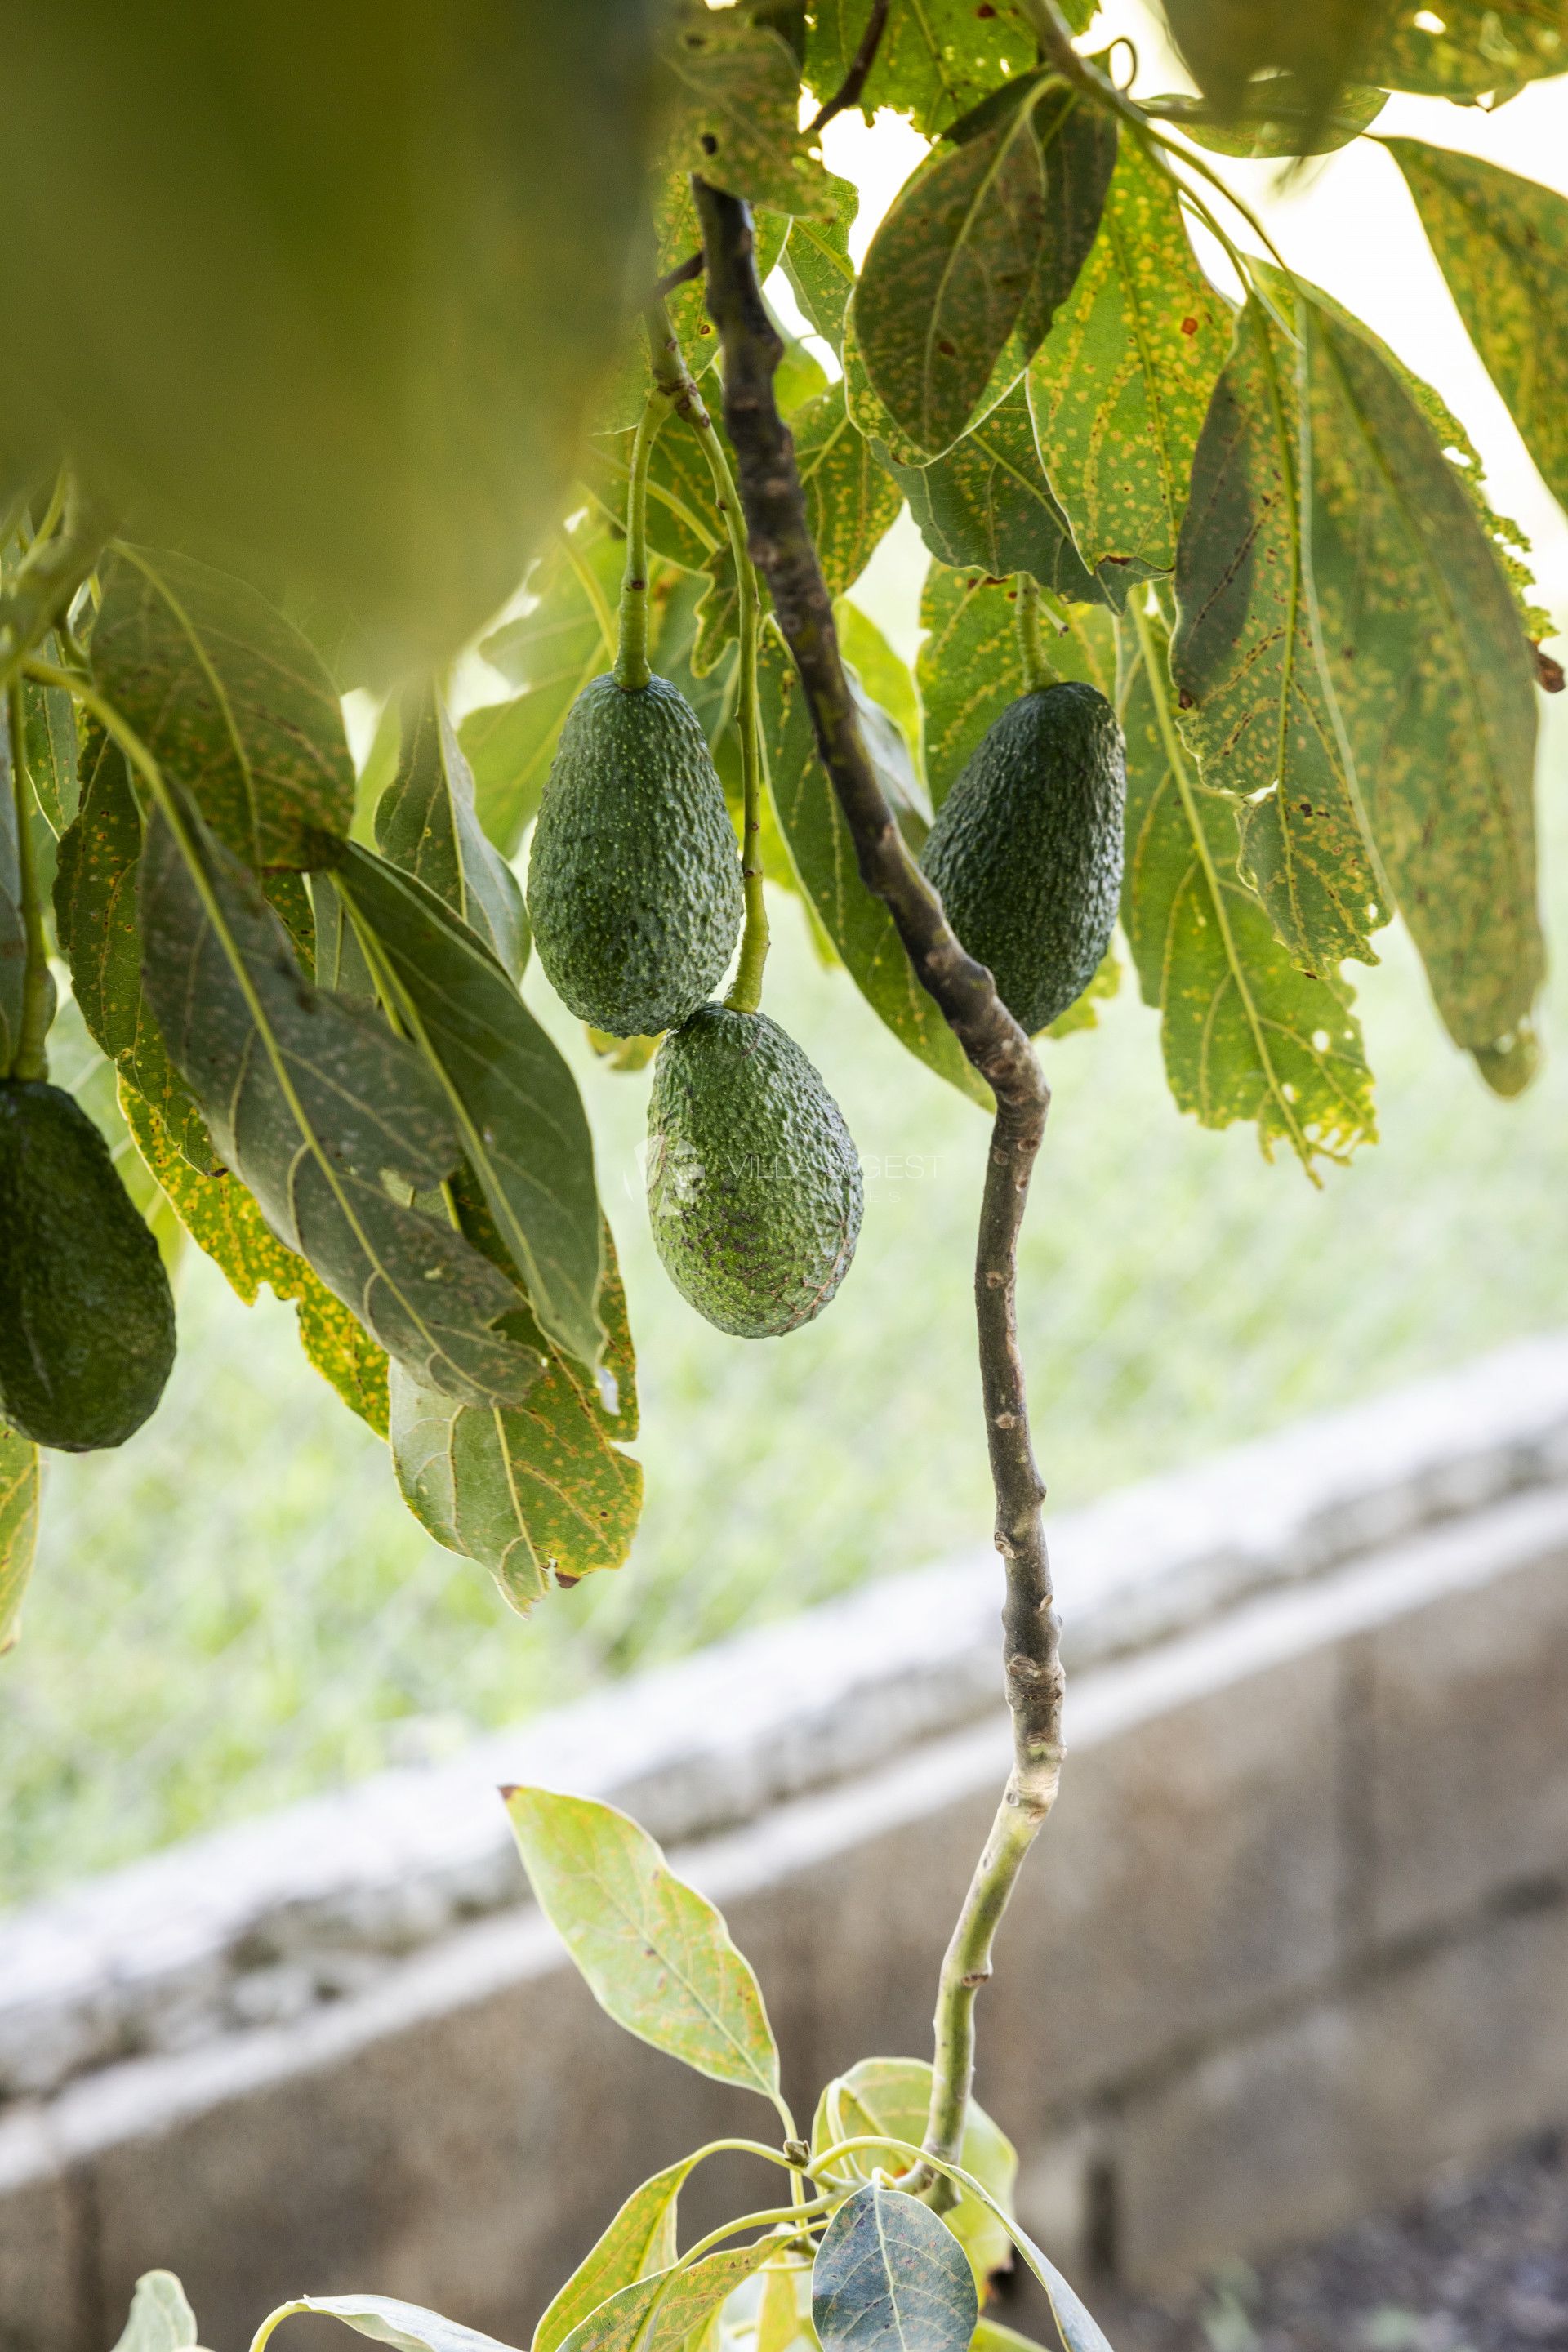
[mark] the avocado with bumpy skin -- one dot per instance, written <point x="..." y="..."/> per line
<point x="634" y="883"/>
<point x="753" y="1181"/>
<point x="1026" y="849"/>
<point x="87" y="1320"/>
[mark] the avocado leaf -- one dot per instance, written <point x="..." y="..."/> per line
<point x="426" y="821"/>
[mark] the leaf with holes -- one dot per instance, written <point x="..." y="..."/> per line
<point x="1245" y="1034"/>
<point x="639" y="2242"/>
<point x="18" y="1528"/>
<point x="890" y="2276"/>
<point x="893" y="2096"/>
<point x="851" y="502"/>
<point x="1120" y="388"/>
<point x="1253" y="707"/>
<point x="970" y="666"/>
<point x="737" y="96"/>
<point x="654" y="1952"/>
<point x="987" y="502"/>
<point x="319" y="1109"/>
<point x="231" y="701"/>
<point x="426" y="822"/>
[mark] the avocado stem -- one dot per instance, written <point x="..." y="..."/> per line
<point x="632" y="670"/>
<point x="1038" y="668"/>
<point x="31" y="1058"/>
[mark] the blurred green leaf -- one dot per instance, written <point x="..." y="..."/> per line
<point x="408" y="2326"/>
<point x="161" y="2318"/>
<point x="970" y="666"/>
<point x="514" y="1102"/>
<point x="18" y="1528"/>
<point x="672" y="2309"/>
<point x="318" y="1109"/>
<point x="639" y="2241"/>
<point x="335" y="298"/>
<point x="988" y="502"/>
<point x="1276" y="119"/>
<point x="1233" y="46"/>
<point x="858" y="925"/>
<point x="534" y="1492"/>
<point x="1245" y="1034"/>
<point x="933" y="62"/>
<point x="816" y="262"/>
<point x="230" y="700"/>
<point x="426" y="822"/>
<point x="13" y="930"/>
<point x="654" y="1952"/>
<point x="891" y="2277"/>
<point x="1252" y="704"/>
<point x="893" y="2096"/>
<point x="1120" y="388"/>
<point x="737" y="102"/>
<point x="990" y="2335"/>
<point x="1469" y="49"/>
<point x="851" y="502"/>
<point x="1502" y="244"/>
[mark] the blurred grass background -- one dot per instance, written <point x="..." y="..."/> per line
<point x="236" y="1610"/>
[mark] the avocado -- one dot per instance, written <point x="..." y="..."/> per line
<point x="87" y="1321"/>
<point x="1026" y="849"/>
<point x="754" y="1184"/>
<point x="634" y="883"/>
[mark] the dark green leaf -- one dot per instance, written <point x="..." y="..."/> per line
<point x="970" y="667"/>
<point x="1469" y="49"/>
<point x="1120" y="388"/>
<point x="638" y="2241"/>
<point x="655" y="1953"/>
<point x="1502" y="245"/>
<point x="535" y="1491"/>
<point x="230" y="700"/>
<point x="817" y="263"/>
<point x="1253" y="701"/>
<point x="893" y="2096"/>
<point x="890" y="2276"/>
<point x="49" y="734"/>
<point x="850" y="502"/>
<point x="738" y="99"/>
<point x="404" y="2326"/>
<point x="1435" y="686"/>
<point x="426" y="822"/>
<point x="161" y="2318"/>
<point x="671" y="2310"/>
<point x="1247" y="1034"/>
<point x="858" y="925"/>
<point x="223" y="1219"/>
<point x="18" y="1528"/>
<point x="1276" y="119"/>
<point x="935" y="61"/>
<point x="318" y="1107"/>
<point x="512" y="1098"/>
<point x="988" y="502"/>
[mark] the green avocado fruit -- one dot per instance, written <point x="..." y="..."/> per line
<point x="87" y="1320"/>
<point x="1026" y="849"/>
<point x="634" y="883"/>
<point x="753" y="1182"/>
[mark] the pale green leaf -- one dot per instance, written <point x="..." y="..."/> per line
<point x="987" y="502"/>
<point x="890" y="2276"/>
<point x="654" y="1952"/>
<point x="670" y="2310"/>
<point x="1253" y="703"/>
<point x="1247" y="1034"/>
<point x="316" y="1106"/>
<point x="18" y="1528"/>
<point x="1120" y="388"/>
<point x="888" y="683"/>
<point x="639" y="2241"/>
<point x="799" y="376"/>
<point x="970" y="667"/>
<point x="990" y="2335"/>
<point x="737" y="100"/>
<point x="406" y="2325"/>
<point x="161" y="2318"/>
<point x="851" y="502"/>
<point x="817" y="263"/>
<point x="426" y="822"/>
<point x="893" y="2096"/>
<point x="230" y="700"/>
<point x="1467" y="50"/>
<point x="934" y="61"/>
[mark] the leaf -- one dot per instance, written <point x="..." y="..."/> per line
<point x="1253" y="701"/>
<point x="13" y="930"/>
<point x="638" y="2241"/>
<point x="654" y="1952"/>
<point x="18" y="1528"/>
<point x="230" y="700"/>
<point x="536" y="1491"/>
<point x="683" y="523"/>
<point x="738" y="100"/>
<point x="1435" y="684"/>
<point x="1119" y="387"/>
<point x="678" y="235"/>
<point x="893" y="2096"/>
<point x="990" y="2335"/>
<point x="1084" y="1012"/>
<point x="511" y="1095"/>
<point x="223" y="1219"/>
<point x="888" y="682"/>
<point x="820" y="849"/>
<point x="970" y="666"/>
<point x="315" y="1104"/>
<point x="161" y="2318"/>
<point x="406" y="2325"/>
<point x="799" y="376"/>
<point x="988" y="502"/>
<point x="1502" y="245"/>
<point x="426" y="822"/>
<point x="670" y="2310"/>
<point x="1245" y="1034"/>
<point x="1276" y="119"/>
<point x="851" y="503"/>
<point x="1232" y="47"/>
<point x="1469" y="49"/>
<point x="816" y="262"/>
<point x="49" y="731"/>
<point x="890" y="2276"/>
<point x="935" y="62"/>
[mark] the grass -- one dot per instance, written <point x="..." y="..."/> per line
<point x="236" y="1610"/>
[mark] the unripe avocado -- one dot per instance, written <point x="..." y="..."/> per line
<point x="754" y="1184"/>
<point x="634" y="883"/>
<point x="1026" y="849"/>
<point x="87" y="1321"/>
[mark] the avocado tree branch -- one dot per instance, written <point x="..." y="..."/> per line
<point x="849" y="91"/>
<point x="965" y="995"/>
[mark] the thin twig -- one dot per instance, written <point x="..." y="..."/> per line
<point x="966" y="997"/>
<point x="848" y="93"/>
<point x="681" y="275"/>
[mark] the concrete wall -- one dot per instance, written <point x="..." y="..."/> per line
<point x="1297" y="1936"/>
